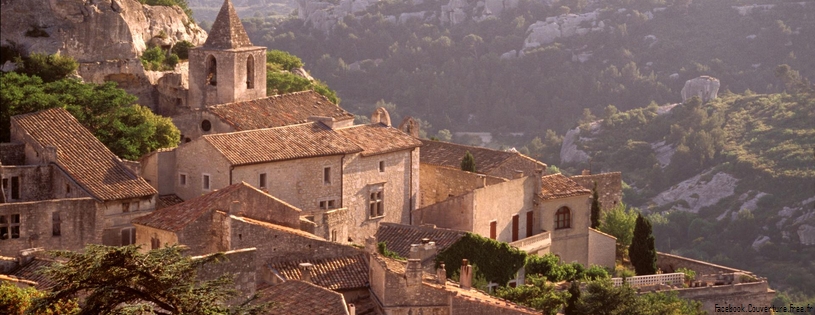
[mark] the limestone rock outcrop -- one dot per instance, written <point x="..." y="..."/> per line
<point x="705" y="87"/>
<point x="107" y="37"/>
<point x="547" y="31"/>
<point x="323" y="15"/>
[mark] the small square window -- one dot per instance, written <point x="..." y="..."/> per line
<point x="206" y="182"/>
<point x="182" y="179"/>
<point x="331" y="204"/>
<point x="327" y="176"/>
<point x="262" y="181"/>
<point x="15" y="219"/>
<point x="376" y="204"/>
<point x="323" y="205"/>
<point x="381" y="166"/>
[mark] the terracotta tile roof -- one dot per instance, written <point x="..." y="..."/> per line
<point x="82" y="156"/>
<point x="282" y="143"/>
<point x="227" y="32"/>
<point x="399" y="237"/>
<point x="378" y="138"/>
<point x="30" y="271"/>
<point x="176" y="217"/>
<point x="298" y="297"/>
<point x="486" y="160"/>
<point x="278" y="110"/>
<point x="165" y="201"/>
<point x="333" y="273"/>
<point x="559" y="186"/>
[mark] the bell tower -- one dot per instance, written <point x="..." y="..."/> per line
<point x="227" y="68"/>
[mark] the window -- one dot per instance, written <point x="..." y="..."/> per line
<point x="15" y="187"/>
<point x="56" y="223"/>
<point x="331" y="204"/>
<point x="125" y="207"/>
<point x="327" y="175"/>
<point x="376" y="205"/>
<point x="530" y="223"/>
<point x="182" y="179"/>
<point x="67" y="189"/>
<point x="206" y="125"/>
<point x="327" y="204"/>
<point x="250" y="72"/>
<point x="516" y="222"/>
<point x="154" y="243"/>
<point x="333" y="235"/>
<point x="212" y="71"/>
<point x="128" y="236"/>
<point x="9" y="226"/>
<point x="262" y="181"/>
<point x="493" y="229"/>
<point x="381" y="166"/>
<point x="563" y="218"/>
<point x="205" y="182"/>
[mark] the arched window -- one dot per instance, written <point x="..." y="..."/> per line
<point x="250" y="72"/>
<point x="563" y="218"/>
<point x="212" y="71"/>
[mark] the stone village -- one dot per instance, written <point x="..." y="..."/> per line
<point x="287" y="184"/>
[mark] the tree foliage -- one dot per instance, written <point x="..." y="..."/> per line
<point x="49" y="68"/>
<point x="549" y="267"/>
<point x="468" y="162"/>
<point x="124" y="280"/>
<point x="619" y="222"/>
<point x="595" y="208"/>
<point x="600" y="297"/>
<point x="537" y="293"/>
<point x="127" y="129"/>
<point x="15" y="301"/>
<point x="642" y="252"/>
<point x="497" y="261"/>
<point x="283" y="60"/>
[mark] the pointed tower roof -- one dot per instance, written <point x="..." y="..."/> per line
<point x="227" y="31"/>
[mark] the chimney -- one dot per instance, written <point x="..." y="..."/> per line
<point x="328" y="121"/>
<point x="415" y="251"/>
<point x="352" y="310"/>
<point x="518" y="174"/>
<point x="413" y="272"/>
<point x="586" y="172"/>
<point x="235" y="208"/>
<point x="49" y="154"/>
<point x="481" y="180"/>
<point x="466" y="275"/>
<point x="27" y="255"/>
<point x="441" y="275"/>
<point x="305" y="272"/>
<point x="538" y="180"/>
<point x="370" y="244"/>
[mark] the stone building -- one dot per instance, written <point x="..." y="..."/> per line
<point x="489" y="162"/>
<point x="609" y="187"/>
<point x="64" y="188"/>
<point x="370" y="170"/>
<point x="302" y="297"/>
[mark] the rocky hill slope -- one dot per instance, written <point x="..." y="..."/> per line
<point x="107" y="37"/>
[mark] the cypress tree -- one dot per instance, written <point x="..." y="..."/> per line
<point x="642" y="252"/>
<point x="571" y="304"/>
<point x="468" y="162"/>
<point x="595" y="208"/>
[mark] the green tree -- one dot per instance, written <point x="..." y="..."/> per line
<point x="124" y="280"/>
<point x="15" y="301"/>
<point x="642" y="252"/>
<point x="468" y="162"/>
<point x="182" y="49"/>
<point x="284" y="60"/>
<point x="595" y="208"/>
<point x="574" y="299"/>
<point x="619" y="222"/>
<point x="49" y="68"/>
<point x="538" y="294"/>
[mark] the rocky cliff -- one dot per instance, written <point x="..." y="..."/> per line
<point x="107" y="37"/>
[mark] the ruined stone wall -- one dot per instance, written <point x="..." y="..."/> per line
<point x="439" y="183"/>
<point x="196" y="159"/>
<point x="609" y="187"/>
<point x="500" y="203"/>
<point x="34" y="182"/>
<point x="241" y="265"/>
<point x="670" y="263"/>
<point x="116" y="221"/>
<point x="571" y="244"/>
<point x="332" y="225"/>
<point x="754" y="294"/>
<point x="79" y="224"/>
<point x="454" y="213"/>
<point x="602" y="249"/>
<point x="361" y="176"/>
<point x="298" y="182"/>
<point x="398" y="298"/>
<point x="12" y="153"/>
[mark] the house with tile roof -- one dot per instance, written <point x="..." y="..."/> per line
<point x="345" y="179"/>
<point x="497" y="163"/>
<point x="301" y="297"/>
<point x="66" y="189"/>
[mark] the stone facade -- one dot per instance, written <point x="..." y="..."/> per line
<point x="219" y="76"/>
<point x="440" y="182"/>
<point x="602" y="248"/>
<point x="570" y="244"/>
<point x="609" y="187"/>
<point x="238" y="263"/>
<point x="54" y="224"/>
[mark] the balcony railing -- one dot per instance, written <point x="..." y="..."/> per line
<point x="534" y="243"/>
<point x="639" y="281"/>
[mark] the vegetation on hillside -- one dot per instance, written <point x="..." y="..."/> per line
<point x="179" y="3"/>
<point x="280" y="79"/>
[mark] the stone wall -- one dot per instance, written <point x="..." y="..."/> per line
<point x="240" y="264"/>
<point x="670" y="263"/>
<point x="332" y="225"/>
<point x="145" y="234"/>
<point x="439" y="183"/>
<point x="189" y="123"/>
<point x="500" y="203"/>
<point x="400" y="296"/>
<point x="34" y="182"/>
<point x="12" y="153"/>
<point x="80" y="223"/>
<point x="753" y="294"/>
<point x="609" y="187"/>
<point x="602" y="249"/>
<point x="231" y="76"/>
<point x="196" y="159"/>
<point x="158" y="169"/>
<point x="454" y="213"/>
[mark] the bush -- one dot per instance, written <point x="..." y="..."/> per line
<point x="182" y="49"/>
<point x="497" y="261"/>
<point x="286" y="60"/>
<point x="49" y="68"/>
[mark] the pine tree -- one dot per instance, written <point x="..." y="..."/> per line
<point x="595" y="208"/>
<point x="468" y="162"/>
<point x="642" y="252"/>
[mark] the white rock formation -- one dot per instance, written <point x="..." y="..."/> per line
<point x="806" y="233"/>
<point x="547" y="31"/>
<point x="569" y="153"/>
<point x="663" y="152"/>
<point x="324" y="15"/>
<point x="705" y="87"/>
<point x="107" y="37"/>
<point x="698" y="193"/>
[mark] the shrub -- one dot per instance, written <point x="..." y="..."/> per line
<point x="182" y="49"/>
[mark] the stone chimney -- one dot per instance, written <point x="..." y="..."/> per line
<point x="370" y="244"/>
<point x="518" y="174"/>
<point x="328" y="121"/>
<point x="235" y="208"/>
<point x="49" y="154"/>
<point x="538" y="180"/>
<point x="423" y="251"/>
<point x="481" y="180"/>
<point x="466" y="275"/>
<point x="352" y="309"/>
<point x="441" y="275"/>
<point x="305" y="272"/>
<point x="413" y="272"/>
